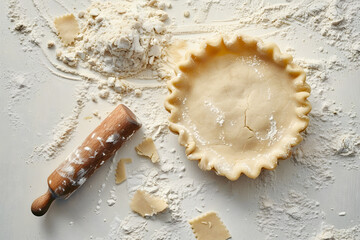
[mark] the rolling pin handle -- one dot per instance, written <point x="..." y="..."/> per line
<point x="40" y="206"/>
<point x="115" y="129"/>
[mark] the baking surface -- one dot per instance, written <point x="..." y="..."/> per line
<point x="316" y="189"/>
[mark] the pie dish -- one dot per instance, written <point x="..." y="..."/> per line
<point x="238" y="105"/>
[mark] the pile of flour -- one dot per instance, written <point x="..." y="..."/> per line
<point x="118" y="38"/>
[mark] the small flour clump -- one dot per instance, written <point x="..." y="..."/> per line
<point x="331" y="233"/>
<point x="118" y="39"/>
<point x="25" y="28"/>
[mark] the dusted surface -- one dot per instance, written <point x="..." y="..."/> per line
<point x="295" y="195"/>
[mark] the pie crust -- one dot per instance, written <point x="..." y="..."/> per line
<point x="238" y="106"/>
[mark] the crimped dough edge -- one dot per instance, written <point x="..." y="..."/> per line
<point x="270" y="50"/>
<point x="204" y="215"/>
<point x="57" y="19"/>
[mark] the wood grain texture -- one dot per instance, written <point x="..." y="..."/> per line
<point x="98" y="147"/>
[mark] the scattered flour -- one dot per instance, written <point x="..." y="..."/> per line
<point x="293" y="217"/>
<point x="331" y="233"/>
<point x="18" y="89"/>
<point x="334" y="20"/>
<point x="63" y="131"/>
<point x="112" y="200"/>
<point x="26" y="29"/>
<point x="167" y="185"/>
<point x="327" y="119"/>
<point x="138" y="44"/>
<point x="164" y="234"/>
<point x="131" y="227"/>
<point x="220" y="116"/>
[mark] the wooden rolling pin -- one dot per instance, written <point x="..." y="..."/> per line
<point x="99" y="146"/>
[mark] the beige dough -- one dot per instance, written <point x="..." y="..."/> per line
<point x="67" y="28"/>
<point x="146" y="204"/>
<point x="209" y="227"/>
<point x="147" y="148"/>
<point x="238" y="106"/>
<point x="120" y="173"/>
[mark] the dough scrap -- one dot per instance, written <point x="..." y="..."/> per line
<point x="238" y="106"/>
<point x="67" y="28"/>
<point x="120" y="173"/>
<point x="209" y="227"/>
<point x="146" y="204"/>
<point x="147" y="148"/>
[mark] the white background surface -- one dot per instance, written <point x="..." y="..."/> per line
<point x="51" y="97"/>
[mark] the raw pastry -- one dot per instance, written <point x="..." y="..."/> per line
<point x="67" y="28"/>
<point x="238" y="106"/>
<point x="209" y="227"/>
<point x="147" y="205"/>
<point x="147" y="148"/>
<point x="120" y="174"/>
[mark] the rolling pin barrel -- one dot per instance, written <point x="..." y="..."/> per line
<point x="98" y="147"/>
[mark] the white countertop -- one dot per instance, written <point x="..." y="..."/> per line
<point x="28" y="115"/>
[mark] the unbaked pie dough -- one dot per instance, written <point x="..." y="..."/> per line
<point x="209" y="227"/>
<point x="67" y="28"/>
<point x="238" y="106"/>
<point x="120" y="173"/>
<point x="146" y="204"/>
<point x="147" y="149"/>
